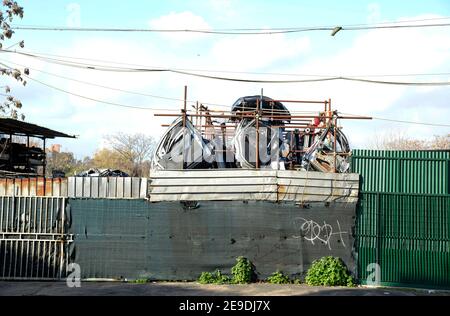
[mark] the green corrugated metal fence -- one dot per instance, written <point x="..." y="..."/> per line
<point x="403" y="218"/>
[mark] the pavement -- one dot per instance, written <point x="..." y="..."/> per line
<point x="27" y="288"/>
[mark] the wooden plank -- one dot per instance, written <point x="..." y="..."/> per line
<point x="214" y="189"/>
<point x="119" y="187"/>
<point x="79" y="187"/>
<point x="94" y="187"/>
<point x="143" y="188"/>
<point x="17" y="183"/>
<point x="135" y="187"/>
<point x="72" y="187"/>
<point x="222" y="173"/>
<point x="103" y="187"/>
<point x="299" y="192"/>
<point x="86" y="186"/>
<point x="63" y="191"/>
<point x="317" y="175"/>
<point x="214" y="197"/>
<point x="56" y="189"/>
<point x="112" y="187"/>
<point x="317" y="183"/>
<point x="10" y="187"/>
<point x="127" y="187"/>
<point x="3" y="187"/>
<point x="213" y="181"/>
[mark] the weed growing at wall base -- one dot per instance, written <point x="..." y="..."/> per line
<point x="278" y="278"/>
<point x="213" y="278"/>
<point x="329" y="271"/>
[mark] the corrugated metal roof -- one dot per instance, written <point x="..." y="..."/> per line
<point x="16" y="127"/>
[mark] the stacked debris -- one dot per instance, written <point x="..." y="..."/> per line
<point x="258" y="133"/>
<point x="94" y="172"/>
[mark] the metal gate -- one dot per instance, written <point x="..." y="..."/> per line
<point x="34" y="238"/>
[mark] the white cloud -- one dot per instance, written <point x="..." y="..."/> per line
<point x="182" y="21"/>
<point x="248" y="52"/>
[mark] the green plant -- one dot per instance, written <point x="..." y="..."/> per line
<point x="213" y="278"/>
<point x="329" y="271"/>
<point x="297" y="281"/>
<point x="243" y="271"/>
<point x="278" y="278"/>
<point x="139" y="281"/>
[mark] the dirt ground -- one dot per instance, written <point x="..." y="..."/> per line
<point x="10" y="288"/>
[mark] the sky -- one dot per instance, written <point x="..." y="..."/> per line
<point x="349" y="53"/>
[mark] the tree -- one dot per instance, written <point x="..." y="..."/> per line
<point x="67" y="163"/>
<point x="132" y="152"/>
<point x="400" y="141"/>
<point x="8" y="12"/>
<point x="108" y="159"/>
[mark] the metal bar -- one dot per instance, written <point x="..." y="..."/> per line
<point x="300" y="101"/>
<point x="334" y="144"/>
<point x="1" y="215"/>
<point x="184" y="106"/>
<point x="17" y="229"/>
<point x="7" y="214"/>
<point x="63" y="218"/>
<point x="257" y="135"/>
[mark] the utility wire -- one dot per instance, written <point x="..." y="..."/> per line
<point x="98" y="100"/>
<point x="400" y="121"/>
<point x="129" y="69"/>
<point x="39" y="54"/>
<point x="242" y="31"/>
<point x="159" y="68"/>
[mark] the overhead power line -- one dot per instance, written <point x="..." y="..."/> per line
<point x="98" y="67"/>
<point x="40" y="54"/>
<point x="156" y="109"/>
<point x="244" y="31"/>
<point x="400" y="121"/>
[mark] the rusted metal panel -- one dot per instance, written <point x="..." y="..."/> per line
<point x="33" y="184"/>
<point x="33" y="187"/>
<point x="10" y="187"/>
<point x="40" y="188"/>
<point x="2" y="186"/>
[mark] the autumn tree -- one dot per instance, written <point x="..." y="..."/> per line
<point x="129" y="152"/>
<point x="67" y="163"/>
<point x="401" y="141"/>
<point x="106" y="158"/>
<point x="8" y="12"/>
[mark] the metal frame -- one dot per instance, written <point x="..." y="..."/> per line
<point x="34" y="239"/>
<point x="202" y="118"/>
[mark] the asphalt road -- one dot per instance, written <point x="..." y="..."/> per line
<point x="9" y="288"/>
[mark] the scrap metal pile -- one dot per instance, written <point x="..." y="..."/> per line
<point x="258" y="132"/>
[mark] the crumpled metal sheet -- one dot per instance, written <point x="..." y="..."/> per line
<point x="181" y="148"/>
